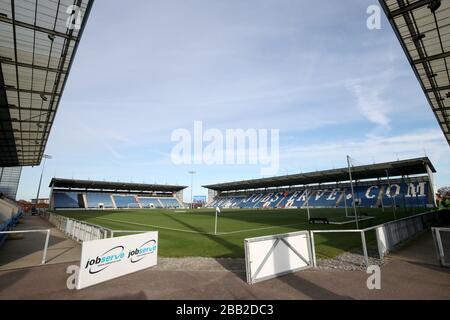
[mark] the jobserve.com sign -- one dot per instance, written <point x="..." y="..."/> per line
<point x="105" y="259"/>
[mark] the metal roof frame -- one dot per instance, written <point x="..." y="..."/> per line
<point x="108" y="185"/>
<point x="394" y="169"/>
<point x="423" y="29"/>
<point x="37" y="50"/>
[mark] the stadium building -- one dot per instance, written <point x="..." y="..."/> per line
<point x="37" y="52"/>
<point x="405" y="183"/>
<point x="88" y="194"/>
<point x="39" y="41"/>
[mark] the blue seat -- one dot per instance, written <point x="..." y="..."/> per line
<point x="149" y="202"/>
<point x="170" y="203"/>
<point x="95" y="199"/>
<point x="368" y="197"/>
<point x="125" y="201"/>
<point x="65" y="200"/>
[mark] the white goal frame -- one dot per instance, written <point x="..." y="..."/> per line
<point x="134" y="206"/>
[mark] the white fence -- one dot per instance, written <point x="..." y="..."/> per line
<point x="389" y="235"/>
<point x="272" y="256"/>
<point x="78" y="230"/>
<point x="393" y="233"/>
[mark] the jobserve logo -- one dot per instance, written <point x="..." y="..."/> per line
<point x="105" y="260"/>
<point x="139" y="253"/>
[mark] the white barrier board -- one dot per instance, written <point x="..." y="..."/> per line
<point x="271" y="256"/>
<point x="106" y="259"/>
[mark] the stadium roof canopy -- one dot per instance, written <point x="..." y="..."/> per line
<point x="373" y="171"/>
<point x="37" y="48"/>
<point x="105" y="185"/>
<point x="423" y="29"/>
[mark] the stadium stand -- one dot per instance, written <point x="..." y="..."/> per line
<point x="66" y="200"/>
<point x="87" y="194"/>
<point x="371" y="196"/>
<point x="404" y="183"/>
<point x="125" y="201"/>
<point x="171" y="203"/>
<point x="149" y="202"/>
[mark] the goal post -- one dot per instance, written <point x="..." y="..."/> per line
<point x="344" y="196"/>
<point x="353" y="191"/>
<point x="133" y="206"/>
<point x="309" y="194"/>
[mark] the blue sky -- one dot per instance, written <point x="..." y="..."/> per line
<point x="311" y="69"/>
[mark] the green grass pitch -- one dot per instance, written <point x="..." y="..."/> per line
<point x="184" y="233"/>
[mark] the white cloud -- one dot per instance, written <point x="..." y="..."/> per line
<point x="371" y="105"/>
<point x="372" y="149"/>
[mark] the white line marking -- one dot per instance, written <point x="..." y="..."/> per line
<point x="190" y="231"/>
<point x="154" y="226"/>
<point x="263" y="228"/>
<point x="351" y="221"/>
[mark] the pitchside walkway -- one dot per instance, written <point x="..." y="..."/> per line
<point x="411" y="273"/>
<point x="27" y="251"/>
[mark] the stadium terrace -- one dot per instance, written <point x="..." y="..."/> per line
<point x="87" y="194"/>
<point x="405" y="183"/>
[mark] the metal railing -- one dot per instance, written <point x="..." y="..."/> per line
<point x="389" y="234"/>
<point x="83" y="231"/>
<point x="78" y="230"/>
<point x="44" y="255"/>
